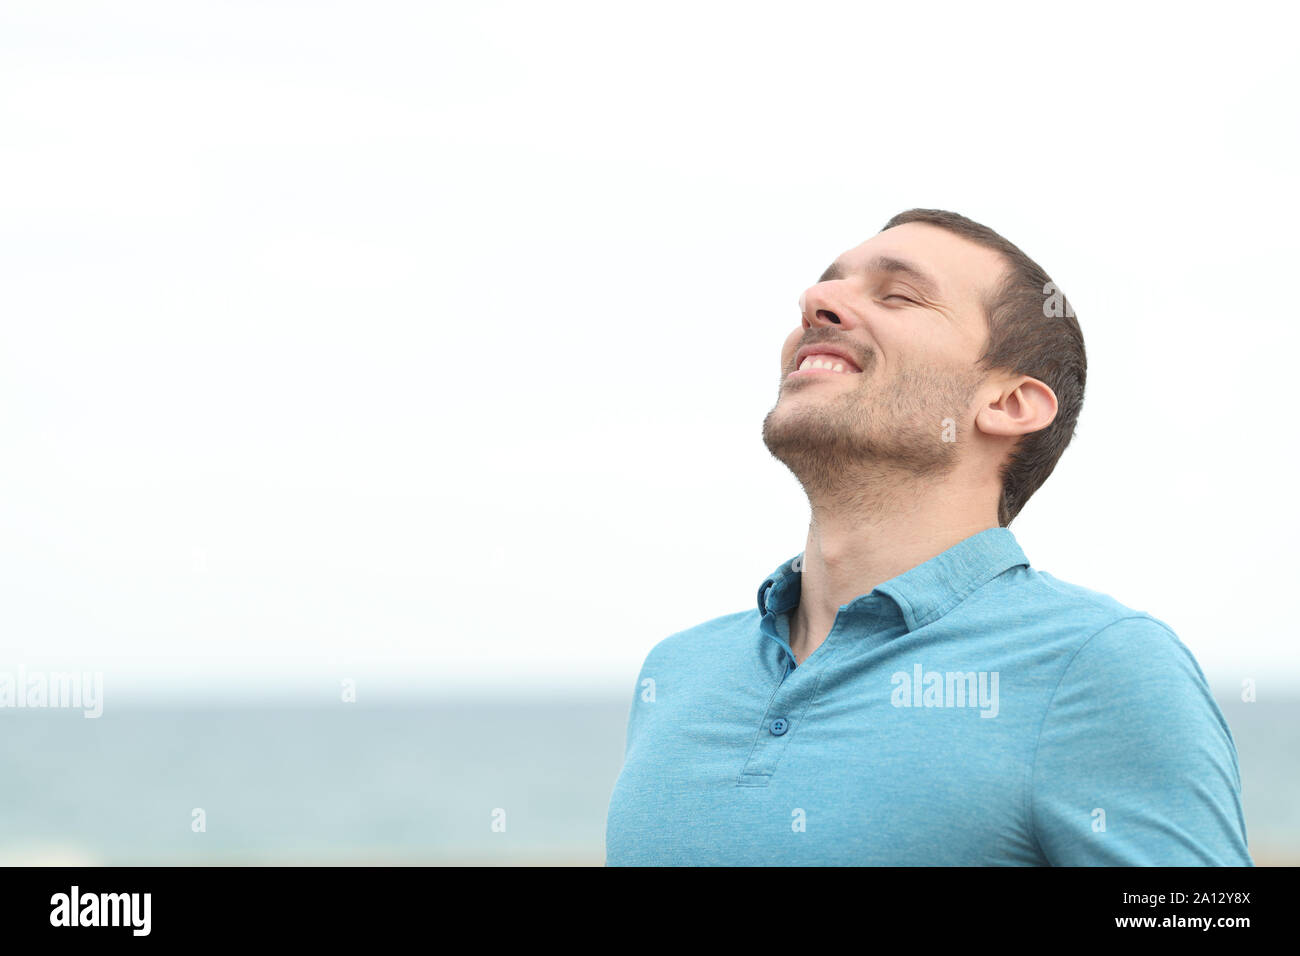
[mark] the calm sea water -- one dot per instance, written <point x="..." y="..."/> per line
<point x="409" y="784"/>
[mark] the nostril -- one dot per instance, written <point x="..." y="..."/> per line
<point x="831" y="316"/>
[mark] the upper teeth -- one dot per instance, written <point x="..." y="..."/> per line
<point x="830" y="363"/>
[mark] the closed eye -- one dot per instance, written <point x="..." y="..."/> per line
<point x="903" y="297"/>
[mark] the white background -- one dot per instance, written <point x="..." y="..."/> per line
<point x="429" y="344"/>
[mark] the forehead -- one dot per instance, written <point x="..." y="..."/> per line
<point x="962" y="272"/>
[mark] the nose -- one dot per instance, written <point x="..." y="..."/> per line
<point x="816" y="307"/>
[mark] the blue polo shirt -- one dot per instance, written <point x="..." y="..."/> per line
<point x="972" y="711"/>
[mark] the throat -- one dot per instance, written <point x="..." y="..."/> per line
<point x="805" y="640"/>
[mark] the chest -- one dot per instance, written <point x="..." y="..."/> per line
<point x="852" y="764"/>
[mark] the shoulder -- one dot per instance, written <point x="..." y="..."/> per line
<point x="1138" y="657"/>
<point x="1102" y="639"/>
<point x="1069" y="617"/>
<point x="1105" y="652"/>
<point x="1104" y="631"/>
<point x="1136" y="685"/>
<point x="719" y="631"/>
<point x="1051" y="595"/>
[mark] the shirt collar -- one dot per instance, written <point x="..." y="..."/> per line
<point x="926" y="592"/>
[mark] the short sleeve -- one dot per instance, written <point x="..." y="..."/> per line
<point x="1135" y="765"/>
<point x="634" y="712"/>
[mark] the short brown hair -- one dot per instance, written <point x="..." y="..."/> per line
<point x="1032" y="331"/>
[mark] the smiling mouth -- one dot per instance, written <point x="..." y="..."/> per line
<point x="825" y="363"/>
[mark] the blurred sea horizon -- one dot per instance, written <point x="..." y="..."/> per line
<point x="399" y="782"/>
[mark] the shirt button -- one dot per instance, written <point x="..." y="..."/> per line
<point x="780" y="726"/>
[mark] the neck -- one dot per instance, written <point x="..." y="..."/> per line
<point x="886" y="525"/>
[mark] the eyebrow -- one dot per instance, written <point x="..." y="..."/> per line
<point x="924" y="282"/>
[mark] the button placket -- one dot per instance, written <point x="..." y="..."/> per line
<point x="785" y="711"/>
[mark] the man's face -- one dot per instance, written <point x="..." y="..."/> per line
<point x="903" y="312"/>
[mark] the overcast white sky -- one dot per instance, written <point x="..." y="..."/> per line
<point x="430" y="343"/>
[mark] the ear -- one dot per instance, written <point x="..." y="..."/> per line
<point x="1024" y="405"/>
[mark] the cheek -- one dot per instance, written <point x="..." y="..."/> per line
<point x="790" y="347"/>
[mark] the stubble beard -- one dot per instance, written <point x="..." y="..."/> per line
<point x="836" y="445"/>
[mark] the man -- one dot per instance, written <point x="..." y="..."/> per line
<point x="909" y="690"/>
